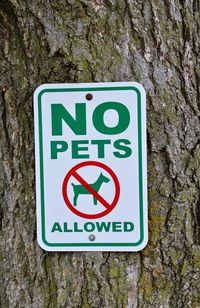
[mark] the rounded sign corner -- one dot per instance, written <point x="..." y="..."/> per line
<point x="143" y="243"/>
<point x="43" y="244"/>
<point x="140" y="87"/>
<point x="40" y="88"/>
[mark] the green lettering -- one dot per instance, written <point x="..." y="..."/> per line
<point x="56" y="227"/>
<point x="120" y="144"/>
<point x="59" y="114"/>
<point x="66" y="228"/>
<point x="56" y="147"/>
<point x="101" y="146"/>
<point x="123" y="118"/>
<point x="89" y="227"/>
<point x="128" y="226"/>
<point x="76" y="149"/>
<point x="76" y="229"/>
<point x="103" y="226"/>
<point x="117" y="226"/>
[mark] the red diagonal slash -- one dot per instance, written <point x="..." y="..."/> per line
<point x="90" y="189"/>
<point x="73" y="173"/>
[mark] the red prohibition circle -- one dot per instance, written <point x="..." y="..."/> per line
<point x="72" y="172"/>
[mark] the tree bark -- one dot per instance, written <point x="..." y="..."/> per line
<point x="155" y="43"/>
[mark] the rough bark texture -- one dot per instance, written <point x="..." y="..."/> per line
<point x="155" y="43"/>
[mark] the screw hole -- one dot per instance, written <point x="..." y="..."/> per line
<point x="92" y="237"/>
<point x="89" y="96"/>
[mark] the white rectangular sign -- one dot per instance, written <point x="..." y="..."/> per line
<point x="91" y="169"/>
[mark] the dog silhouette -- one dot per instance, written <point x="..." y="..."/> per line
<point x="81" y="190"/>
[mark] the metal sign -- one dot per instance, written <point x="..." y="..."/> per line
<point x="90" y="148"/>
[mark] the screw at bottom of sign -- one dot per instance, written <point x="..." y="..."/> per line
<point x="92" y="237"/>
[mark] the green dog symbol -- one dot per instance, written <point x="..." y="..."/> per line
<point x="81" y="190"/>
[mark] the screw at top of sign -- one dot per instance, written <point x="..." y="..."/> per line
<point x="89" y="96"/>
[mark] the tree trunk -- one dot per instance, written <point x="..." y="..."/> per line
<point x="155" y="43"/>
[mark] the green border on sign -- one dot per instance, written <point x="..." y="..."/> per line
<point x="132" y="88"/>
